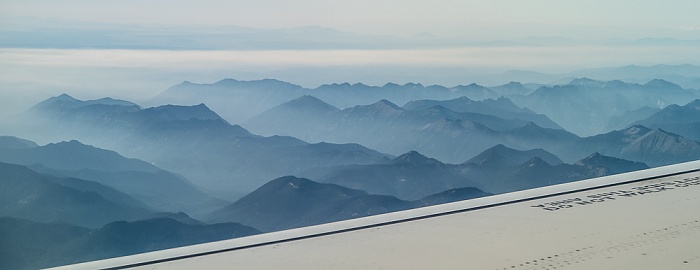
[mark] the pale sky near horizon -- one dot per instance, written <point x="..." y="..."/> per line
<point x="621" y="18"/>
<point x="30" y="74"/>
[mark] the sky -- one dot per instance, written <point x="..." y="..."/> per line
<point x="442" y="17"/>
<point x="136" y="49"/>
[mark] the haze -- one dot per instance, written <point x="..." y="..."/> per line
<point x="136" y="49"/>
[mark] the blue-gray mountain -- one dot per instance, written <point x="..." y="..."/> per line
<point x="585" y="106"/>
<point x="497" y="170"/>
<point x="451" y="136"/>
<point x="654" y="147"/>
<point x="11" y="142"/>
<point x="159" y="189"/>
<point x="627" y="119"/>
<point x="193" y="141"/>
<point x="683" y="120"/>
<point x="32" y="245"/>
<point x="686" y="75"/>
<point x="237" y="101"/>
<point x="426" y="126"/>
<point x="25" y="242"/>
<point x="289" y="202"/>
<point x="30" y="195"/>
<point x="501" y="107"/>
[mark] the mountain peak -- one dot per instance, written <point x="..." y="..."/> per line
<point x="514" y="84"/>
<point x="594" y="160"/>
<point x="585" y="82"/>
<point x="178" y="112"/>
<point x="66" y="101"/>
<point x="662" y="84"/>
<point x="59" y="100"/>
<point x="612" y="164"/>
<point x="385" y="102"/>
<point x="307" y="102"/>
<point x="535" y="162"/>
<point x="695" y="104"/>
<point x="501" y="155"/>
<point x="414" y="85"/>
<point x="383" y="106"/>
<point x="63" y="97"/>
<point x="464" y="99"/>
<point x="264" y="83"/>
<point x="414" y="158"/>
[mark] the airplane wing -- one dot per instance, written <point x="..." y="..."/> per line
<point x="646" y="219"/>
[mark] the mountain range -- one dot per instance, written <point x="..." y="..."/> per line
<point x="408" y="181"/>
<point x="159" y="189"/>
<point x="584" y="106"/>
<point x="425" y="126"/>
<point x="238" y="101"/>
<point x="683" y="120"/>
<point x="223" y="159"/>
<point x="29" y="195"/>
<point x="499" y="169"/>
<point x="90" y="179"/>
<point x="450" y="136"/>
<point x="290" y="202"/>
<point x="581" y="105"/>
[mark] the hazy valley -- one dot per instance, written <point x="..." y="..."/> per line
<point x="207" y="162"/>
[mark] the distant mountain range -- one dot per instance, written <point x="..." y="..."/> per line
<point x="425" y="125"/>
<point x="686" y="75"/>
<point x="238" y="101"/>
<point x="655" y="147"/>
<point x="159" y="189"/>
<point x="193" y="141"/>
<point x="499" y="169"/>
<point x="430" y="127"/>
<point x="68" y="198"/>
<point x="682" y="120"/>
<point x="410" y="180"/>
<point x="29" y="195"/>
<point x="583" y="106"/>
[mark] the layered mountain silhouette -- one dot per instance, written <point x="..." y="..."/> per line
<point x="654" y="147"/>
<point x="11" y="142"/>
<point x="123" y="238"/>
<point x="501" y="107"/>
<point x="238" y="101"/>
<point x="683" y="120"/>
<point x="426" y="126"/>
<point x="24" y="242"/>
<point x="69" y="199"/>
<point x="627" y="119"/>
<point x="585" y="106"/>
<point x="189" y="140"/>
<point x="29" y="195"/>
<point x="289" y="202"/>
<point x="611" y="165"/>
<point x="501" y="155"/>
<point x="497" y="170"/>
<point x="157" y="188"/>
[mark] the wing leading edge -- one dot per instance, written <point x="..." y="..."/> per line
<point x="640" y="220"/>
